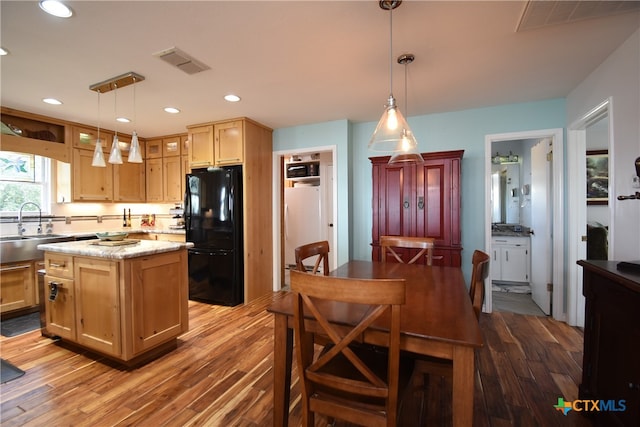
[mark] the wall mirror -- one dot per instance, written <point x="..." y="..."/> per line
<point x="505" y="193"/>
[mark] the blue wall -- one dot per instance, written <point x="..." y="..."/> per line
<point x="435" y="132"/>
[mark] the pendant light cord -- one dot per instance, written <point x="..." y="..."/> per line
<point x="115" y="108"/>
<point x="134" y="103"/>
<point x="391" y="52"/>
<point x="98" y="139"/>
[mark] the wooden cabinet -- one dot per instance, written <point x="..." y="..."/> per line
<point x="419" y="200"/>
<point x="510" y="260"/>
<point x="122" y="308"/>
<point x="610" y="369"/>
<point x="172" y="178"/>
<point x="97" y="304"/>
<point x="60" y="312"/>
<point x="17" y="281"/>
<point x="91" y="184"/>
<point x="128" y="178"/>
<point x="156" y="315"/>
<point x="153" y="148"/>
<point x="171" y="146"/>
<point x="154" y="180"/>
<point x="201" y="146"/>
<point x="228" y="143"/>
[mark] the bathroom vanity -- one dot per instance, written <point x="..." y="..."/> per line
<point x="511" y="259"/>
<point x="128" y="302"/>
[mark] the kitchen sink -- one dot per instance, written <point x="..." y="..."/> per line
<point x="25" y="248"/>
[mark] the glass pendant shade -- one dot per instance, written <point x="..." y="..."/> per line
<point x="135" y="156"/>
<point x="98" y="156"/>
<point x="392" y="133"/>
<point x="115" y="156"/>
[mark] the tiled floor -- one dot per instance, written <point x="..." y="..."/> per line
<point x="515" y="302"/>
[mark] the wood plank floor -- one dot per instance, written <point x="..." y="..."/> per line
<point x="221" y="375"/>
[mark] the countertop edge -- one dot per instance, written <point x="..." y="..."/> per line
<point x="141" y="248"/>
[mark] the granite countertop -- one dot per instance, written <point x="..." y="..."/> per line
<point x="510" y="230"/>
<point x="89" y="248"/>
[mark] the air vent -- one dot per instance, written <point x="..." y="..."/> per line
<point x="538" y="14"/>
<point x="181" y="60"/>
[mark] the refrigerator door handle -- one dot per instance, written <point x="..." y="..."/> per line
<point x="286" y="221"/>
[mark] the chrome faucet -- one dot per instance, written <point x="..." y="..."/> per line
<point x="20" y="228"/>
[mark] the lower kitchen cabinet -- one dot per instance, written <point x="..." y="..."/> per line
<point x="121" y="308"/>
<point x="18" y="286"/>
<point x="510" y="261"/>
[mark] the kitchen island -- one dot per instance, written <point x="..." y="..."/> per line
<point x="127" y="301"/>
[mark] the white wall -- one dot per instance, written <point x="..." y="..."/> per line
<point x="618" y="77"/>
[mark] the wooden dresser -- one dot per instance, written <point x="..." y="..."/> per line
<point x="611" y="360"/>
<point x="419" y="200"/>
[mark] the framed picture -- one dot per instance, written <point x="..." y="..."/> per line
<point x="597" y="177"/>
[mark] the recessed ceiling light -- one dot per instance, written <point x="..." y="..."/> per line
<point x="56" y="8"/>
<point x="123" y="120"/>
<point x="232" y="98"/>
<point x="52" y="101"/>
<point x="171" y="110"/>
<point x="3" y="51"/>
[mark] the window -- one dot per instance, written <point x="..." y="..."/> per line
<point x="23" y="178"/>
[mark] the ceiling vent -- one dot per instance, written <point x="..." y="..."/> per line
<point x="181" y="60"/>
<point x="538" y="14"/>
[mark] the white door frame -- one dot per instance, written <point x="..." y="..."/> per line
<point x="557" y="138"/>
<point x="277" y="185"/>
<point x="577" y="202"/>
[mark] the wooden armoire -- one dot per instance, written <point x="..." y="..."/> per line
<point x="419" y="200"/>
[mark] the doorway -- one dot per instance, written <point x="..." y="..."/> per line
<point x="325" y="158"/>
<point x="524" y="141"/>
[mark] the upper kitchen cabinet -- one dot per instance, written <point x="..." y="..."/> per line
<point x="128" y="178"/>
<point x="153" y="149"/>
<point x="228" y="142"/>
<point x="171" y="146"/>
<point x="90" y="183"/>
<point x="200" y="150"/>
<point x="165" y="172"/>
<point x="30" y="133"/>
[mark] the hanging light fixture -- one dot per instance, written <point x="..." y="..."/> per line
<point x="135" y="156"/>
<point x="98" y="156"/>
<point x="115" y="156"/>
<point x="392" y="132"/>
<point x="408" y="151"/>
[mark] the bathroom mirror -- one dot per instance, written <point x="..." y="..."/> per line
<point x="505" y="193"/>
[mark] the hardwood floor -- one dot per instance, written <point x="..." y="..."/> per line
<point x="221" y="375"/>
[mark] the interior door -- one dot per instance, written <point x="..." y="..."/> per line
<point x="541" y="220"/>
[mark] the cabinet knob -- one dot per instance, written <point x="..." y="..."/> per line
<point x="421" y="203"/>
<point x="406" y="204"/>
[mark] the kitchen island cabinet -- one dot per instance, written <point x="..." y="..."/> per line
<point x="127" y="302"/>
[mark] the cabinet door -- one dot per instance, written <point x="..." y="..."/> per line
<point x="17" y="283"/>
<point x="97" y="305"/>
<point x="171" y="146"/>
<point x="61" y="311"/>
<point x="153" y="177"/>
<point x="86" y="137"/>
<point x="186" y="169"/>
<point x="515" y="263"/>
<point x="393" y="195"/>
<point x="153" y="149"/>
<point x="229" y="143"/>
<point x="495" y="266"/>
<point x="159" y="300"/>
<point x="128" y="182"/>
<point x="91" y="184"/>
<point x="172" y="179"/>
<point x="201" y="147"/>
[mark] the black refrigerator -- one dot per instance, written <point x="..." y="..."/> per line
<point x="213" y="222"/>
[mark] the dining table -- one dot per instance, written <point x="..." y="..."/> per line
<point x="437" y="320"/>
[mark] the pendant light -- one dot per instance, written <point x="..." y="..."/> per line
<point x="408" y="152"/>
<point x="135" y="156"/>
<point x="115" y="156"/>
<point x="98" y="156"/>
<point x="392" y="132"/>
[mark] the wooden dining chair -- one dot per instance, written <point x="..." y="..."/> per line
<point x="355" y="383"/>
<point x="480" y="271"/>
<point x="319" y="249"/>
<point x="425" y="244"/>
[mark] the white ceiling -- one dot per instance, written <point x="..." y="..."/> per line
<point x="292" y="62"/>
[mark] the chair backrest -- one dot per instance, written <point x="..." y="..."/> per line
<point x="479" y="273"/>
<point x="425" y="244"/>
<point x="341" y="389"/>
<point x="319" y="249"/>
